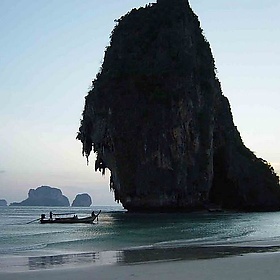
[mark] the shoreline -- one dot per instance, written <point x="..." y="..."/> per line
<point x="130" y="257"/>
<point x="257" y="266"/>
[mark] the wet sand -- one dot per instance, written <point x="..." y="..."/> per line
<point x="212" y="262"/>
<point x="257" y="266"/>
<point x="128" y="257"/>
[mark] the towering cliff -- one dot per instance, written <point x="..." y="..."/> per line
<point x="157" y="119"/>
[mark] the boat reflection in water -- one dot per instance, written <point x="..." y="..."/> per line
<point x="47" y="262"/>
<point x="68" y="260"/>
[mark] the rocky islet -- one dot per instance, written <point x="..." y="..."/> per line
<point x="51" y="196"/>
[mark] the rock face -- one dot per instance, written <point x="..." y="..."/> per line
<point x="44" y="196"/>
<point x="82" y="200"/>
<point x="157" y="119"/>
<point x="3" y="202"/>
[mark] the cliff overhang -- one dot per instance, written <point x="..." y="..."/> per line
<point x="156" y="117"/>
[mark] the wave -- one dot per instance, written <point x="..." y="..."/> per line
<point x="12" y="250"/>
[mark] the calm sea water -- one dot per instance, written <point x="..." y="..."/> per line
<point x="117" y="230"/>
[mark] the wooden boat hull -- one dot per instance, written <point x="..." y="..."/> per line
<point x="71" y="220"/>
<point x="87" y="220"/>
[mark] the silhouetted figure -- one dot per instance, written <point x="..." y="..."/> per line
<point x="51" y="215"/>
<point x="43" y="216"/>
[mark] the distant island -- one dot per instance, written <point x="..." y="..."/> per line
<point x="50" y="196"/>
<point x="82" y="200"/>
<point x="44" y="196"/>
<point x="3" y="202"/>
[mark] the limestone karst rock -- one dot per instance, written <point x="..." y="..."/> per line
<point x="157" y="119"/>
<point x="3" y="202"/>
<point x="44" y="196"/>
<point x="82" y="200"/>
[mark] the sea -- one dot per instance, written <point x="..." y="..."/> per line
<point x="119" y="237"/>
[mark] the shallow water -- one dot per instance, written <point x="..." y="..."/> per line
<point x="118" y="234"/>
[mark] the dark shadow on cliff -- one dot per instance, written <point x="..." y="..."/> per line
<point x="157" y="118"/>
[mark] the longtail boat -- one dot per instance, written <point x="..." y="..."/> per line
<point x="68" y="220"/>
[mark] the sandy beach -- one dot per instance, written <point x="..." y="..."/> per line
<point x="257" y="266"/>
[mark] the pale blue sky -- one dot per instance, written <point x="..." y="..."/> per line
<point x="50" y="50"/>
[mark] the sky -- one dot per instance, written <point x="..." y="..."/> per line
<point x="51" y="50"/>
